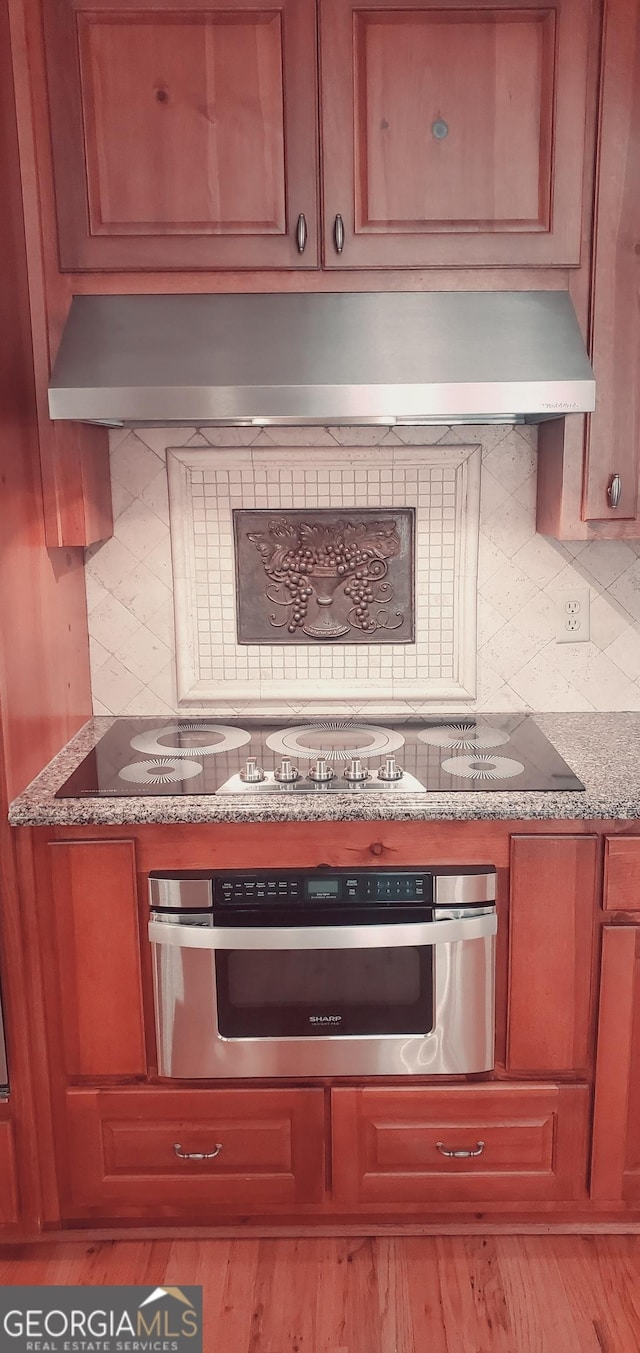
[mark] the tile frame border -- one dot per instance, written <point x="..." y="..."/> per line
<point x="194" y="694"/>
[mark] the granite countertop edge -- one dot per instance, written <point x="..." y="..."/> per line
<point x="602" y="749"/>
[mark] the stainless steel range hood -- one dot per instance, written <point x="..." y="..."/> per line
<point x="438" y="357"/>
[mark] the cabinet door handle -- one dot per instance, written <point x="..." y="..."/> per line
<point x="460" y="1155"/>
<point x="338" y="233"/>
<point x="197" y="1155"/>
<point x="614" y="490"/>
<point x="301" y="232"/>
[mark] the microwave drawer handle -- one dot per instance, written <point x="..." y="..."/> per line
<point x="324" y="936"/>
<point x="197" y="1155"/>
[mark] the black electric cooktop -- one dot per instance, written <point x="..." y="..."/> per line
<point x="204" y="756"/>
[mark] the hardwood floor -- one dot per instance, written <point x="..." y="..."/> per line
<point x="451" y="1294"/>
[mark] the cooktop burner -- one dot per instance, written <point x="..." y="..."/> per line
<point x="198" y="756"/>
<point x="190" y="738"/>
<point x="482" y="767"/>
<point x="463" y="735"/>
<point x="335" y="740"/>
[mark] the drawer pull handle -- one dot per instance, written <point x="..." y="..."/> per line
<point x="338" y="234"/>
<point x="460" y="1155"/>
<point x="197" y="1155"/>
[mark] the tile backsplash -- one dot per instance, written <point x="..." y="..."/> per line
<point x="520" y="576"/>
<point x="441" y="485"/>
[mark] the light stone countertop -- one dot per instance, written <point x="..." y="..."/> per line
<point x="602" y="749"/>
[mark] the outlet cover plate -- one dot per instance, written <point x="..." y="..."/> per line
<point x="572" y="615"/>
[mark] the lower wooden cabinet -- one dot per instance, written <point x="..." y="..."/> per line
<point x="551" y="941"/>
<point x="8" y="1176"/>
<point x="161" y="1153"/>
<point x="615" y="1173"/>
<point x="622" y="873"/>
<point x="202" y="1154"/>
<point x="481" y="1144"/>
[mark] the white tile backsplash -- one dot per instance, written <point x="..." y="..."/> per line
<point x="131" y="596"/>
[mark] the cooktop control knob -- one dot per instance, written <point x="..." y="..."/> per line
<point x="286" y="774"/>
<point x="390" y="770"/>
<point x="252" y="773"/>
<point x="356" y="772"/>
<point x="321" y="773"/>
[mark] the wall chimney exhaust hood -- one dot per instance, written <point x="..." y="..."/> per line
<point x="369" y="357"/>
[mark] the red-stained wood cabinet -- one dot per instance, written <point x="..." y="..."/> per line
<point x="588" y="480"/>
<point x="616" y="1126"/>
<point x="95" y="989"/>
<point x="412" y="1146"/>
<point x="552" y="918"/>
<point x="130" y="1146"/>
<point x="615" y="1175"/>
<point x="193" y="1153"/>
<point x="185" y="132"/>
<point x="622" y="873"/>
<point x="9" y="1213"/>
<point x="453" y="131"/>
<point x="613" y="451"/>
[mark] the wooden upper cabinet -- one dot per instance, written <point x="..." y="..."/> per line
<point x="184" y="132"/>
<point x="453" y="132"/>
<point x="614" y="433"/>
<point x="588" y="475"/>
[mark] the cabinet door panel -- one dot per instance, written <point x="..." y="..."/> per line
<point x="98" y="945"/>
<point x="452" y="133"/>
<point x="551" y="923"/>
<point x="615" y="1174"/>
<point x="184" y="134"/>
<point x="8" y="1176"/>
<point x="221" y="95"/>
<point x="614" y="432"/>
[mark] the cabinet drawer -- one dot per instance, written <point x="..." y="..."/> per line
<point x="622" y="873"/>
<point x="264" y="1148"/>
<point x="525" y="1143"/>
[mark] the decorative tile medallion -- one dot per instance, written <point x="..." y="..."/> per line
<point x="435" y="488"/>
<point x="324" y="576"/>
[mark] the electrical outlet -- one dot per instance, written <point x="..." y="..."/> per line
<point x="572" y="616"/>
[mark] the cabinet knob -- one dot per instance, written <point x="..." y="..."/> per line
<point x="301" y="232"/>
<point x="338" y="233"/>
<point x="197" y="1155"/>
<point x="460" y="1155"/>
<point x="614" y="490"/>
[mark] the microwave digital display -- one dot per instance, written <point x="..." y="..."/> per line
<point x="323" y="887"/>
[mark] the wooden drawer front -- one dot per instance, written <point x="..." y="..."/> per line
<point x="123" y="1161"/>
<point x="385" y="1144"/>
<point x="8" y="1176"/>
<point x="622" y="873"/>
